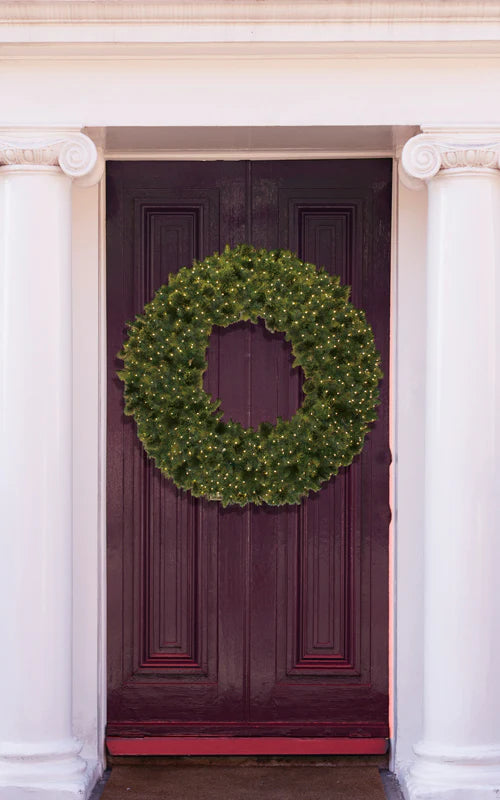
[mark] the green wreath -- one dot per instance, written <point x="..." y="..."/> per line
<point x="180" y="425"/>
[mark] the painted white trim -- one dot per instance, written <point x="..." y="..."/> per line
<point x="393" y="377"/>
<point x="251" y="11"/>
<point x="70" y="45"/>
<point x="278" y="154"/>
<point x="241" y="154"/>
<point x="102" y="508"/>
<point x="88" y="564"/>
<point x="408" y="328"/>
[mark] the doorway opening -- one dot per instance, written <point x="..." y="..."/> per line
<point x="259" y="628"/>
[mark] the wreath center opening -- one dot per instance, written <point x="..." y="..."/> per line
<point x="250" y="371"/>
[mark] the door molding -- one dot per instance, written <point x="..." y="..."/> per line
<point x="99" y="246"/>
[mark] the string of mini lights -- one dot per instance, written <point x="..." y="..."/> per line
<point x="181" y="426"/>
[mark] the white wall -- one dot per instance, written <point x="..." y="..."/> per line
<point x="89" y="665"/>
<point x="409" y="321"/>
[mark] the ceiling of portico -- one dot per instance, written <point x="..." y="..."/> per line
<point x="251" y="142"/>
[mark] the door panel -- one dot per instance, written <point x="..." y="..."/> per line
<point x="254" y="621"/>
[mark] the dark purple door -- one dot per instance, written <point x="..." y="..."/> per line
<point x="254" y="621"/>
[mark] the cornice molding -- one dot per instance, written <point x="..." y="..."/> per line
<point x="90" y="29"/>
<point x="252" y="11"/>
<point x="452" y="151"/>
<point x="67" y="148"/>
<point x="153" y="43"/>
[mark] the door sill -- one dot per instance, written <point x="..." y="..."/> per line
<point x="241" y="746"/>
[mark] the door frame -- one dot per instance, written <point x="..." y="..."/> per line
<point x="87" y="221"/>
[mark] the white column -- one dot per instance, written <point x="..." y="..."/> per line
<point x="38" y="754"/>
<point x="459" y="755"/>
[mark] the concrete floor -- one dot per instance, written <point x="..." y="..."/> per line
<point x="390" y="783"/>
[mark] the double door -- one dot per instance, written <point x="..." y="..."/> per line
<point x="255" y="621"/>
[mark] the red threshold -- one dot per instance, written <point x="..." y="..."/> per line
<point x="242" y="746"/>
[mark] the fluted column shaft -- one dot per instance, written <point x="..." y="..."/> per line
<point x="459" y="755"/>
<point x="38" y="754"/>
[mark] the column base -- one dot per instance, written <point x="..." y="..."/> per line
<point x="54" y="772"/>
<point x="461" y="773"/>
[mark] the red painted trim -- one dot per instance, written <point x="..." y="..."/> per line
<point x="242" y="746"/>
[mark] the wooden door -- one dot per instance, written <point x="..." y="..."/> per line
<point x="253" y="622"/>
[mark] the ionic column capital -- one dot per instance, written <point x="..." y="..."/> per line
<point x="454" y="150"/>
<point x="67" y="148"/>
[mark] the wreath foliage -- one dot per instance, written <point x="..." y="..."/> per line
<point x="180" y="425"/>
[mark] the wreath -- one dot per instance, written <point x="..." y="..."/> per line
<point x="181" y="426"/>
